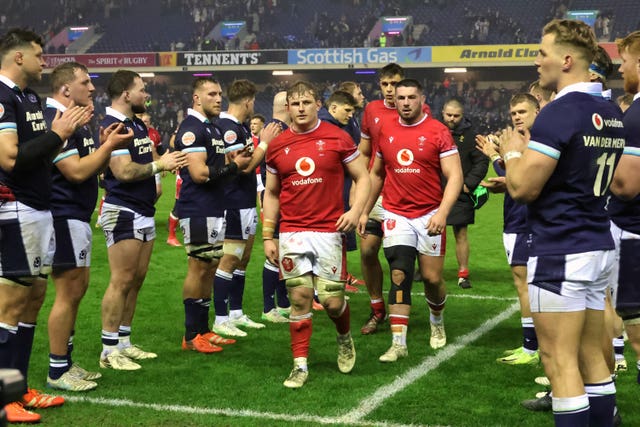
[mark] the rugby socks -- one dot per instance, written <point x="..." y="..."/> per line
<point x="22" y="345"/>
<point x="236" y="293"/>
<point x="58" y="365"/>
<point x="343" y="321"/>
<point x="109" y="342"/>
<point x="435" y="311"/>
<point x="300" y="328"/>
<point x="70" y="347"/>
<point x="378" y="308"/>
<point x="7" y="338"/>
<point x="222" y="283"/>
<point x="281" y="294"/>
<point x="618" y="347"/>
<point x="173" y="225"/>
<point x="638" y="366"/>
<point x="571" y="411"/>
<point x="399" y="325"/>
<point x="529" y="337"/>
<point x="124" y="337"/>
<point x="203" y="315"/>
<point x="270" y="279"/>
<point x="463" y="273"/>
<point x="191" y="318"/>
<point x="602" y="403"/>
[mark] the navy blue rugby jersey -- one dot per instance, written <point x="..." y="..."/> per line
<point x="585" y="134"/>
<point x="626" y="215"/>
<point x="21" y="112"/>
<point x="241" y="192"/>
<point x="197" y="135"/>
<point x="263" y="163"/>
<point x="139" y="196"/>
<point x="72" y="200"/>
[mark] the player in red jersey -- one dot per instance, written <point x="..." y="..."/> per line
<point x="413" y="153"/>
<point x="375" y="115"/>
<point x="305" y="165"/>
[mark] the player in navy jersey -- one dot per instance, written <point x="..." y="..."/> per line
<point x="563" y="174"/>
<point x="275" y="301"/>
<point x="201" y="209"/>
<point x="74" y="195"/>
<point x="523" y="109"/>
<point x="127" y="219"/>
<point x="27" y="148"/>
<point x="241" y="217"/>
<point x="625" y="209"/>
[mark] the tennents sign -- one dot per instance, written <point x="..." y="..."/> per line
<point x="250" y="57"/>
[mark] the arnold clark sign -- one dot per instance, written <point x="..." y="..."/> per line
<point x="400" y="55"/>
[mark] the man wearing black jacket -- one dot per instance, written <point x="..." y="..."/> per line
<point x="474" y="168"/>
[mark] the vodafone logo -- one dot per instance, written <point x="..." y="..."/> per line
<point x="404" y="157"/>
<point x="305" y="166"/>
<point x="597" y="121"/>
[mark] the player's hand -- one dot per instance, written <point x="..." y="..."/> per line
<point x="271" y="251"/>
<point x="73" y="118"/>
<point x="362" y="226"/>
<point x="116" y="136"/>
<point x="172" y="160"/>
<point x="437" y="224"/>
<point x="269" y="132"/>
<point x="348" y="221"/>
<point x="512" y="140"/>
<point x="496" y="184"/>
<point x="242" y="158"/>
<point x="484" y="144"/>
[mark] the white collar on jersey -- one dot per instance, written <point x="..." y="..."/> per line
<point x="117" y="114"/>
<point x="226" y="115"/>
<point x="413" y="124"/>
<point x="636" y="96"/>
<point x="591" y="88"/>
<point x="6" y="80"/>
<point x="56" y="104"/>
<point x="307" y="131"/>
<point x="197" y="115"/>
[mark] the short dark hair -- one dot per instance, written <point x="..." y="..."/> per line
<point x="241" y="89"/>
<point x="455" y="102"/>
<point x="302" y="86"/>
<point x="201" y="81"/>
<point x="259" y="117"/>
<point x="120" y="81"/>
<point x="16" y="38"/>
<point x="524" y="97"/>
<point x="601" y="66"/>
<point x="348" y="86"/>
<point x="341" y="97"/>
<point x="391" y="70"/>
<point x="65" y="73"/>
<point x="410" y="83"/>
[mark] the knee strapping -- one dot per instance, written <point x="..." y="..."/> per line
<point x="329" y="288"/>
<point x="374" y="227"/>
<point x="234" y="248"/>
<point x="206" y="253"/>
<point x="401" y="258"/>
<point x="305" y="281"/>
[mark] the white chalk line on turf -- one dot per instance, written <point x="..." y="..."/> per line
<point x="373" y="401"/>
<point x="191" y="410"/>
<point x="471" y="296"/>
<point x="352" y="417"/>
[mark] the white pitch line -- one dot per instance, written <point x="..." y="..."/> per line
<point x="471" y="296"/>
<point x="353" y="417"/>
<point x="373" y="401"/>
<point x="302" y="418"/>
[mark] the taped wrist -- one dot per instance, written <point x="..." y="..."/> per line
<point x="31" y="153"/>
<point x="217" y="173"/>
<point x="268" y="229"/>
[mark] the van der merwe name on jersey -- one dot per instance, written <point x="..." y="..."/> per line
<point x="37" y="120"/>
<point x="144" y="145"/>
<point x="602" y="141"/>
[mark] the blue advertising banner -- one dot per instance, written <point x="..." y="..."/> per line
<point x="373" y="55"/>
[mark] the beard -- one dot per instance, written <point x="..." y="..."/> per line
<point x="631" y="83"/>
<point x="138" y="109"/>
